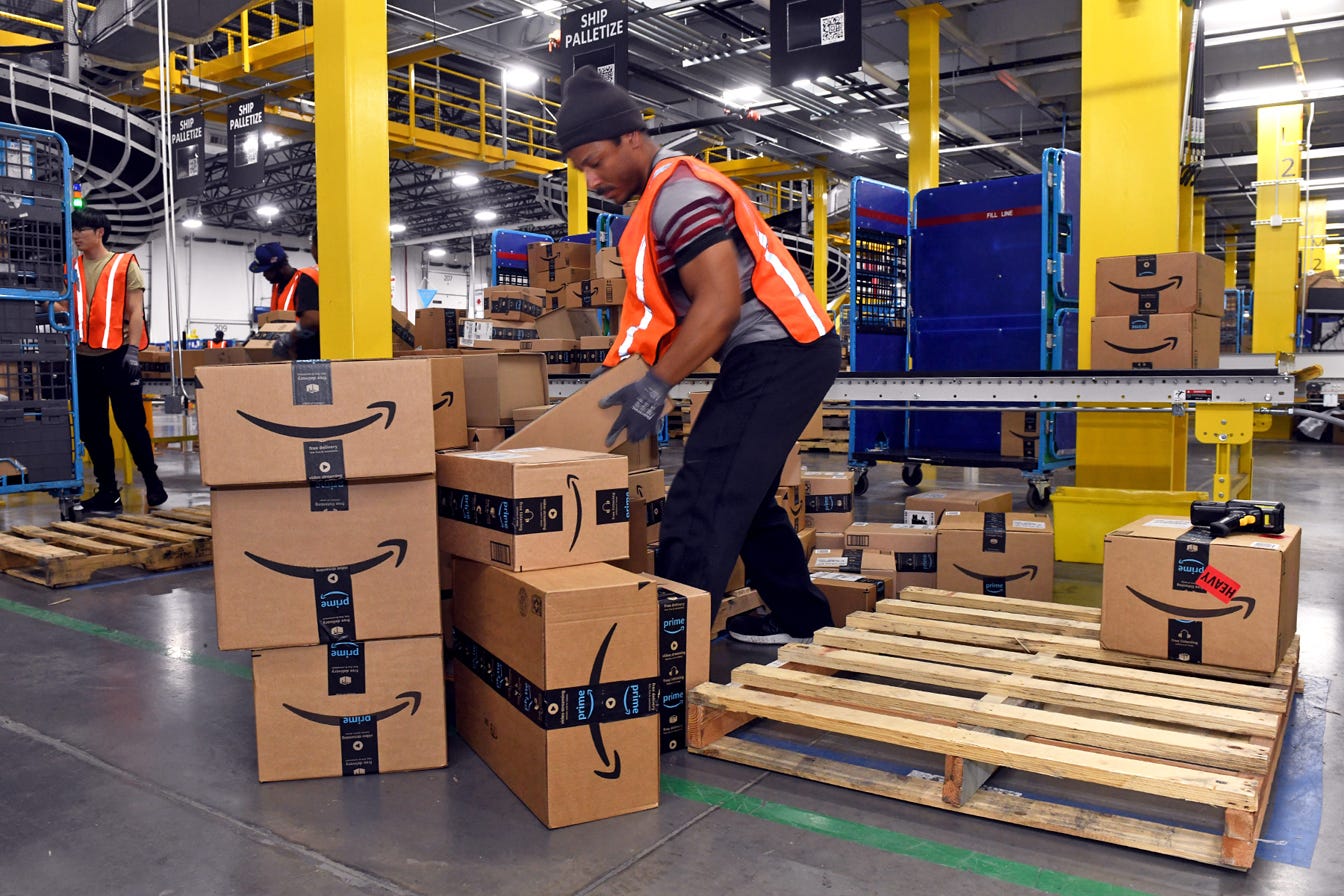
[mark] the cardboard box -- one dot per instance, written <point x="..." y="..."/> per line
<point x="315" y="421"/>
<point x="553" y="297"/>
<point x="353" y="708"/>
<point x="403" y="333"/>
<point x="913" y="548"/>
<point x="926" y="508"/>
<point x="592" y="351"/>
<point x="833" y="541"/>
<point x="1172" y="591"/>
<point x="808" y="539"/>
<point x="558" y="689"/>
<point x="848" y="592"/>
<point x="595" y="294"/>
<point x="193" y="359"/>
<point x="792" y="474"/>
<point x="436" y="327"/>
<point x="828" y="500"/>
<point x="1000" y="554"/>
<point x="554" y="264"/>
<point x="448" y="400"/>
<point x="534" y="508"/>
<point x="1020" y="433"/>
<point x="288" y="574"/>
<point x="446" y="617"/>
<point x="517" y="303"/>
<point x="498" y="383"/>
<point x="1155" y="342"/>
<point x="697" y="401"/>
<point x="815" y="429"/>
<point x="276" y="317"/>
<point x="856" y="560"/>
<point x="260" y="346"/>
<point x="683" y="655"/>
<point x="642" y="455"/>
<point x="570" y="324"/>
<point x="523" y="416"/>
<point x="607" y="264"/>
<point x="486" y="438"/>
<point x="1171" y="283"/>
<point x="559" y="354"/>
<point x="155" y="366"/>
<point x="480" y="333"/>
<point x="648" y="495"/>
<point x="578" y="422"/>
<point x="791" y="499"/>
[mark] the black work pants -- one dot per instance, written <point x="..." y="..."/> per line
<point x="722" y="502"/>
<point x="102" y="381"/>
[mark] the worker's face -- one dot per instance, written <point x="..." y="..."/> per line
<point x="87" y="238"/>
<point x="614" y="169"/>
<point x="274" y="273"/>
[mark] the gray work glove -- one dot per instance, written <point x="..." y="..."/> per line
<point x="280" y="347"/>
<point x="601" y="369"/>
<point x="130" y="365"/>
<point x="641" y="408"/>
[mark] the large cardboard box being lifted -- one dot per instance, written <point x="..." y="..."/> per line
<point x="353" y="708"/>
<point x="533" y="508"/>
<point x="557" y="681"/>
<point x="1000" y="554"/>
<point x="498" y="383"/>
<point x="1171" y="590"/>
<point x="286" y="576"/>
<point x="320" y="422"/>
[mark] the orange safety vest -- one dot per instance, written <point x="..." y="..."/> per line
<point x="648" y="323"/>
<point x="282" y="297"/>
<point x="100" y="321"/>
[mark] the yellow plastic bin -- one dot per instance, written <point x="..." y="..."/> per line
<point x="1084" y="516"/>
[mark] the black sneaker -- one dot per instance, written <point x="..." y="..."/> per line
<point x="104" y="503"/>
<point x="155" y="493"/>
<point x="755" y="628"/>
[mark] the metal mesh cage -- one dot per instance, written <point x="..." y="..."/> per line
<point x="32" y="213"/>
<point x="880" y="279"/>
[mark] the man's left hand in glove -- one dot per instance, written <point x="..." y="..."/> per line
<point x="130" y="365"/>
<point x="641" y="404"/>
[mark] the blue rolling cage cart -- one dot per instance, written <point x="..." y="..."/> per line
<point x="1236" y="326"/>
<point x="993" y="288"/>
<point x="508" y="256"/>
<point x="40" y="449"/>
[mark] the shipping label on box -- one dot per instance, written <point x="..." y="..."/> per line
<point x="851" y="593"/>
<point x="286" y="576"/>
<point x="1155" y="342"/>
<point x="350" y="708"/>
<point x="320" y="422"/>
<point x="926" y="508"/>
<point x="828" y="500"/>
<point x="999" y="554"/>
<point x="1173" y="591"/>
<point x="559" y="685"/>
<point x="852" y="560"/>
<point x="436" y="328"/>
<point x="534" y="508"/>
<point x="1171" y="283"/>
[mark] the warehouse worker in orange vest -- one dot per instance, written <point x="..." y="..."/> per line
<point x="291" y="290"/>
<point x="708" y="278"/>
<point x="109" y="316"/>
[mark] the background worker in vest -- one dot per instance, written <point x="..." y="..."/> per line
<point x="218" y="341"/>
<point x="110" y="320"/>
<point x="291" y="290"/>
<point x="707" y="278"/>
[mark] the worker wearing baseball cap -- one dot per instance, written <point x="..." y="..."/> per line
<point x="291" y="290"/>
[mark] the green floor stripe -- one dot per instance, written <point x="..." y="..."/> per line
<point x="205" y="661"/>
<point x="1023" y="875"/>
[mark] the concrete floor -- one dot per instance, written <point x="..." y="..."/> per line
<point x="128" y="766"/>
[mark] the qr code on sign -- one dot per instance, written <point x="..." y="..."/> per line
<point x="608" y="73"/>
<point x="832" y="29"/>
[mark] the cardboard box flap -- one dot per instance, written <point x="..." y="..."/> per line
<point x="578" y="422"/>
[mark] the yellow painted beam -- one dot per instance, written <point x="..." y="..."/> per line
<point x="432" y="142"/>
<point x="1133" y="58"/>
<point x="262" y="56"/>
<point x="819" y="233"/>
<point x="1277" y="206"/>
<point x="1332" y="258"/>
<point x="14" y="39"/>
<point x="576" y="209"/>
<point x="1313" y="234"/>
<point x="1185" y="220"/>
<point x="1230" y="257"/>
<point x="762" y="168"/>
<point x="1197" y="236"/>
<point x="350" y="68"/>
<point x="922" y="24"/>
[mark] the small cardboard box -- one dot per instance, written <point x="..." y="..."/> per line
<point x="490" y="333"/>
<point x="436" y="327"/>
<point x="315" y="421"/>
<point x="607" y="264"/>
<point x="642" y="455"/>
<point x="578" y="422"/>
<point x="498" y="383"/>
<point x="792" y="474"/>
<point x="523" y="416"/>
<point x="534" y="508"/>
<point x="519" y="303"/>
<point x="913" y="548"/>
<point x="926" y="508"/>
<point x="1171" y="283"/>
<point x="849" y="592"/>
<point x="260" y="345"/>
<point x="486" y="438"/>
<point x="403" y="332"/>
<point x="595" y="294"/>
<point x="353" y="708"/>
<point x="553" y="297"/>
<point x="1170" y="590"/>
<point x="276" y="317"/>
<point x="289" y="575"/>
<point x="1155" y="342"/>
<point x="559" y="354"/>
<point x="571" y="324"/>
<point x="832" y="541"/>
<point x="558" y="686"/>
<point x="697" y="401"/>
<point x="1019" y="433"/>
<point x="683" y="654"/>
<point x="856" y="560"/>
<point x="828" y="500"/>
<point x="555" y="264"/>
<point x="791" y="499"/>
<point x="648" y="494"/>
<point x="592" y="351"/>
<point x="1000" y="554"/>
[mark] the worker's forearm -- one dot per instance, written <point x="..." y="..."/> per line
<point x="135" y="328"/>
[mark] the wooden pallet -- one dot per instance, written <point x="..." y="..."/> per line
<point x="830" y="445"/>
<point x="983" y="683"/>
<point x="62" y="554"/>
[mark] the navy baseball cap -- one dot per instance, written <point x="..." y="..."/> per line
<point x="268" y="255"/>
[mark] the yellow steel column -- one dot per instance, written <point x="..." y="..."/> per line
<point x="1230" y="258"/>
<point x="922" y="24"/>
<point x="1277" y="211"/>
<point x="350" y="86"/>
<point x="1197" y="235"/>
<point x="1313" y="235"/>
<point x="820" y="234"/>
<point x="1332" y="258"/>
<point x="1133" y="59"/>
<point x="577" y="214"/>
<point x="1185" y="220"/>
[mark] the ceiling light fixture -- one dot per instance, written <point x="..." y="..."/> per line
<point x="485" y="215"/>
<point x="271" y="139"/>
<point x="192" y="222"/>
<point x="520" y="76"/>
<point x="396" y="227"/>
<point x="465" y="180"/>
<point x="267" y="211"/>
<point x="436" y="252"/>
<point x="1273" y="96"/>
<point x="742" y="96"/>
<point x="858" y="143"/>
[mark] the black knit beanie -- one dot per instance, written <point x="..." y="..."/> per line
<point x="593" y="108"/>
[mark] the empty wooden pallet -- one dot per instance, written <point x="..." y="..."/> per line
<point x="61" y="554"/>
<point x="982" y="683"/>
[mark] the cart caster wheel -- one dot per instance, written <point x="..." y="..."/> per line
<point x="1038" y="497"/>
<point x="912" y="474"/>
<point x="70" y="513"/>
<point x="861" y="483"/>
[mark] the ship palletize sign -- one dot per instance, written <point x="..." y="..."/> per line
<point x="597" y="36"/>
<point x="188" y="144"/>
<point x="247" y="155"/>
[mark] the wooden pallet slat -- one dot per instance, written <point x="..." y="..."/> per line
<point x="66" y="553"/>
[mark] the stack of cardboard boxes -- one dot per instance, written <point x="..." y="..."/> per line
<point x="575" y="285"/>
<point x="326" y="564"/>
<point x="1157" y="312"/>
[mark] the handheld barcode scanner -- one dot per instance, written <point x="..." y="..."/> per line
<point x="1226" y="517"/>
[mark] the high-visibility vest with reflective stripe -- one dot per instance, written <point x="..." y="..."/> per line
<point x="282" y="297"/>
<point x="101" y="318"/>
<point x="648" y="323"/>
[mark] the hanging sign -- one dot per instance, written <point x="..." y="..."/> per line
<point x="188" y="155"/>
<point x="597" y="36"/>
<point x="247" y="155"/>
<point x="810" y="38"/>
